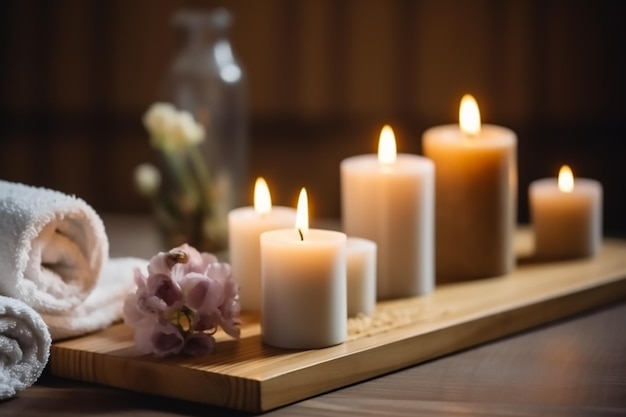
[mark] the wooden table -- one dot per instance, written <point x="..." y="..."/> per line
<point x="572" y="367"/>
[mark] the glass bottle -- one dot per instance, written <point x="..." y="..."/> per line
<point x="206" y="79"/>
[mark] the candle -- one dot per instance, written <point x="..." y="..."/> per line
<point x="304" y="285"/>
<point x="361" y="275"/>
<point x="566" y="215"/>
<point x="475" y="196"/>
<point x="245" y="225"/>
<point x="389" y="198"/>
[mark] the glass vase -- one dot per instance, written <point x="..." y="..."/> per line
<point x="206" y="79"/>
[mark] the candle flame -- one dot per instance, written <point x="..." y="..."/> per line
<point x="566" y="179"/>
<point x="469" y="116"/>
<point x="387" y="146"/>
<point x="302" y="214"/>
<point x="262" y="198"/>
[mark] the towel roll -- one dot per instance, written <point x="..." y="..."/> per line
<point x="54" y="256"/>
<point x="52" y="247"/>
<point x="24" y="346"/>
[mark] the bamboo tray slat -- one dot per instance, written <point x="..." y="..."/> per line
<point x="249" y="376"/>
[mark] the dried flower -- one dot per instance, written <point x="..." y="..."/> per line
<point x="184" y="299"/>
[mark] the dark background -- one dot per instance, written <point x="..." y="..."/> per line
<point x="323" y="77"/>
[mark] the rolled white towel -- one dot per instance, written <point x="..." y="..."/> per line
<point x="24" y="346"/>
<point x="54" y="256"/>
<point x="52" y="247"/>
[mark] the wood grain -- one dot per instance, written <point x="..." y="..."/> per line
<point x="246" y="375"/>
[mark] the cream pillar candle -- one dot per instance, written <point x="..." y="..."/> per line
<point x="361" y="275"/>
<point x="304" y="285"/>
<point x="566" y="216"/>
<point x="389" y="198"/>
<point x="476" y="196"/>
<point x="245" y="225"/>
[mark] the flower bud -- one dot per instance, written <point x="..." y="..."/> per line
<point x="177" y="256"/>
<point x="158" y="117"/>
<point x="147" y="179"/>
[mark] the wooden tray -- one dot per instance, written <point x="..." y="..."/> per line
<point x="246" y="375"/>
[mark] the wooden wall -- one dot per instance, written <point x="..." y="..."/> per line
<point x="324" y="75"/>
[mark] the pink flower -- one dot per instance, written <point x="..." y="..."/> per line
<point x="181" y="303"/>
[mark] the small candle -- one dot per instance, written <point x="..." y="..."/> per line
<point x="245" y="225"/>
<point x="475" y="196"/>
<point x="389" y="198"/>
<point x="361" y="270"/>
<point x="304" y="285"/>
<point x="566" y="216"/>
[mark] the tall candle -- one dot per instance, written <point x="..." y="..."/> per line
<point x="476" y="196"/>
<point x="361" y="270"/>
<point x="566" y="216"/>
<point x="304" y="285"/>
<point x="389" y="198"/>
<point x="245" y="225"/>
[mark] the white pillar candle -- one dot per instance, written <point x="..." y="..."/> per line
<point x="389" y="198"/>
<point x="566" y="215"/>
<point x="245" y="225"/>
<point x="476" y="196"/>
<point x="361" y="270"/>
<point x="304" y="285"/>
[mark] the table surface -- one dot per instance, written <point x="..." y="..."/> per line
<point x="572" y="367"/>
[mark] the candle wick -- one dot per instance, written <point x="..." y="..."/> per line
<point x="301" y="235"/>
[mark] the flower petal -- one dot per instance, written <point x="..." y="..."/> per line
<point x="166" y="339"/>
<point x="169" y="292"/>
<point x="140" y="279"/>
<point x="158" y="117"/>
<point x="159" y="264"/>
<point x="196" y="290"/>
<point x="219" y="270"/>
<point x="203" y="321"/>
<point x="131" y="312"/>
<point x="202" y="294"/>
<point x="199" y="344"/>
<point x="207" y="259"/>
<point x="196" y="262"/>
<point x="143" y="334"/>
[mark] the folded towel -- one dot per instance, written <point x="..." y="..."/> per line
<point x="54" y="257"/>
<point x="24" y="346"/>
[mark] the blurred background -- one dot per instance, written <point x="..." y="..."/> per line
<point x="323" y="76"/>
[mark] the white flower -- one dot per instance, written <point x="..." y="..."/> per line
<point x="171" y="129"/>
<point x="157" y="119"/>
<point x="183" y="132"/>
<point x="147" y="179"/>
